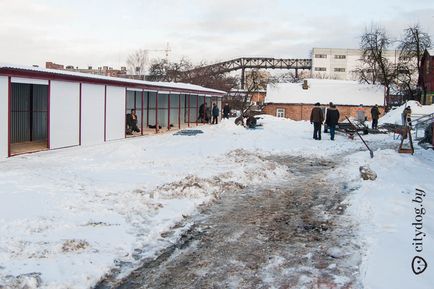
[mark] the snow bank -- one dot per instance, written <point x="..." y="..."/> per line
<point x="395" y="115"/>
<point x="387" y="212"/>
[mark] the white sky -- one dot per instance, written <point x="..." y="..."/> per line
<point x="98" y="32"/>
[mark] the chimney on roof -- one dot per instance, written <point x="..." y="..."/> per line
<point x="305" y="85"/>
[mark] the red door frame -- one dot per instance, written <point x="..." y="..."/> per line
<point x="105" y="113"/>
<point x="141" y="126"/>
<point x="188" y="110"/>
<point x="179" y="111"/>
<point x="197" y="110"/>
<point x="156" y="112"/>
<point x="147" y="109"/>
<point x="49" y="114"/>
<point x="9" y="114"/>
<point x="168" y="111"/>
<point x="79" y="116"/>
<point x="204" y="107"/>
<point x="126" y="111"/>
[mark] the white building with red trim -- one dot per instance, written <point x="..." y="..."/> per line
<point x="50" y="109"/>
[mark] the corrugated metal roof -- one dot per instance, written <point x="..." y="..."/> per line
<point x="165" y="85"/>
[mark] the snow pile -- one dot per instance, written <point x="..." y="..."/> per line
<point x="395" y="115"/>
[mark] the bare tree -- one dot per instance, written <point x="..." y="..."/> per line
<point x="375" y="67"/>
<point x="412" y="46"/>
<point x="137" y="62"/>
<point x="163" y="70"/>
<point x="185" y="71"/>
<point x="158" y="71"/>
<point x="256" y="81"/>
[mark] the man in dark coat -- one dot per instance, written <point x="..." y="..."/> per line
<point x="226" y="110"/>
<point x="215" y="113"/>
<point x="132" y="122"/>
<point x="317" y="118"/>
<point x="375" y="114"/>
<point x="202" y="113"/>
<point x="332" y="119"/>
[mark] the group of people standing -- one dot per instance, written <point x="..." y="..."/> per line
<point x="204" y="113"/>
<point x="331" y="120"/>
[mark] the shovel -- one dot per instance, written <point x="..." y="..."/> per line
<point x="355" y="128"/>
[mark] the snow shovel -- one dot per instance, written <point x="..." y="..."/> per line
<point x="355" y="128"/>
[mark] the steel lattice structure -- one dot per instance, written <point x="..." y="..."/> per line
<point x="255" y="63"/>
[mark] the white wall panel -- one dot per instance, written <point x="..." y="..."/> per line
<point x="64" y="114"/>
<point x="3" y="116"/>
<point x="29" y="80"/>
<point x="92" y="114"/>
<point x="115" y="113"/>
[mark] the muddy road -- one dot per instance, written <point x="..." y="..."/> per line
<point x="288" y="234"/>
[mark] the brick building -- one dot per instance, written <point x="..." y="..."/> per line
<point x="104" y="70"/>
<point x="426" y="77"/>
<point x="295" y="100"/>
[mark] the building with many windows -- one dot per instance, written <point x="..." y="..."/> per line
<point x="339" y="63"/>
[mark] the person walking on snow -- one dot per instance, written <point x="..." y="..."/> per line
<point x="332" y="119"/>
<point x="375" y="114"/>
<point x="317" y="118"/>
<point x="226" y="111"/>
<point x="215" y="114"/>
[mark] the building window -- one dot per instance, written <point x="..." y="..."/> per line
<point x="339" y="69"/>
<point x="337" y="56"/>
<point x="320" y="69"/>
<point x="280" y="112"/>
<point x="320" y="55"/>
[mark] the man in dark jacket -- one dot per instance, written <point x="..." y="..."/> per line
<point x="202" y="112"/>
<point x="317" y="118"/>
<point x="375" y="114"/>
<point x="226" y="110"/>
<point x="132" y="122"/>
<point x="215" y="113"/>
<point x="332" y="119"/>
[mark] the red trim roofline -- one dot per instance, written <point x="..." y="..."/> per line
<point x="16" y="72"/>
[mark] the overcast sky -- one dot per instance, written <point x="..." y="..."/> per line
<point x="104" y="32"/>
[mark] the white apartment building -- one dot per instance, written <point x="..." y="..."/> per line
<point x="339" y="63"/>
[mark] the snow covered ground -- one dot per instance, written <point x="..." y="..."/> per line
<point x="68" y="216"/>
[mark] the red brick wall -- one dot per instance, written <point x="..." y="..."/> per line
<point x="52" y="65"/>
<point x="429" y="73"/>
<point x="302" y="111"/>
